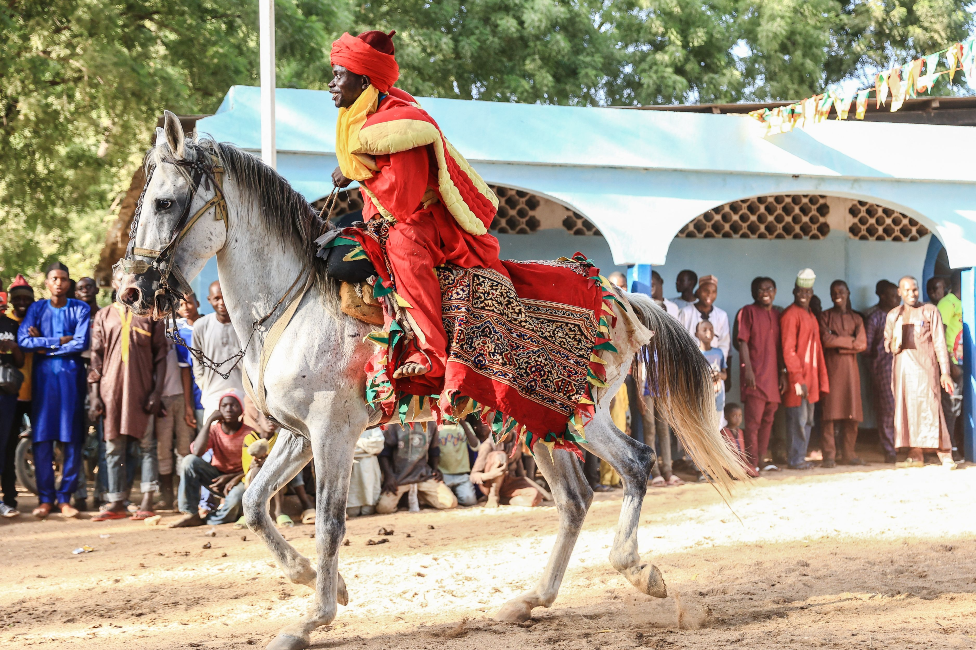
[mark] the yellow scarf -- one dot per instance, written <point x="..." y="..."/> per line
<point x="350" y="122"/>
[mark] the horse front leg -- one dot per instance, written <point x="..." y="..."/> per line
<point x="288" y="457"/>
<point x="573" y="497"/>
<point x="333" y="449"/>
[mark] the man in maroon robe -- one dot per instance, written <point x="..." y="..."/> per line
<point x="761" y="380"/>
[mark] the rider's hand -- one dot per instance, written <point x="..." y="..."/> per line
<point x="339" y="180"/>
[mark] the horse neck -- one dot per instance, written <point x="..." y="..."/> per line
<point x="255" y="267"/>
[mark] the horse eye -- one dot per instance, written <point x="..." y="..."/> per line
<point x="163" y="204"/>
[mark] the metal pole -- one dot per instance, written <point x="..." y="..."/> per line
<point x="268" y="151"/>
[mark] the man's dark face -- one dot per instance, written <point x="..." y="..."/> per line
<point x="86" y="290"/>
<point x="58" y="283"/>
<point x="890" y="298"/>
<point x="216" y="300"/>
<point x="839" y="295"/>
<point x="657" y="288"/>
<point x="346" y="86"/>
<point x="230" y="410"/>
<point x="766" y="293"/>
<point x="188" y="307"/>
<point x="21" y="302"/>
<point x="802" y="296"/>
<point x="707" y="293"/>
<point x="684" y="282"/>
<point x="937" y="291"/>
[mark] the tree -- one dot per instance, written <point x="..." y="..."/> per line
<point x="83" y="83"/>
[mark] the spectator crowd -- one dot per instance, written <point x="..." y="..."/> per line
<point x="116" y="394"/>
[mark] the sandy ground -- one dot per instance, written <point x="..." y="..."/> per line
<point x="881" y="558"/>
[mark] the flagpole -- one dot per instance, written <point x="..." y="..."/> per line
<point x="268" y="150"/>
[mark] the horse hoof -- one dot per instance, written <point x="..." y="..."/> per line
<point x="307" y="576"/>
<point x="648" y="580"/>
<point x="514" y="611"/>
<point x="342" y="596"/>
<point x="289" y="642"/>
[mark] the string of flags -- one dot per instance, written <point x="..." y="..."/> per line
<point x="899" y="83"/>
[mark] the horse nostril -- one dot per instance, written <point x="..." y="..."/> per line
<point x="130" y="296"/>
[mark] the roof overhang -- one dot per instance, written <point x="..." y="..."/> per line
<point x="640" y="176"/>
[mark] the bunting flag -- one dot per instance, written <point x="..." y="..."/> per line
<point x="898" y="89"/>
<point x="902" y="82"/>
<point x="862" y="104"/>
<point x="914" y="72"/>
<point x="842" y="105"/>
<point x="881" y="88"/>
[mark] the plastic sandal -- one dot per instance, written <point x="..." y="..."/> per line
<point x="106" y="515"/>
<point x="284" y="520"/>
<point x="308" y="516"/>
<point x="142" y="515"/>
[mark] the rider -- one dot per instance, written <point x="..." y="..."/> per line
<point x="439" y="208"/>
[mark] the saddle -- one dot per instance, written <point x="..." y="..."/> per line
<point x="344" y="264"/>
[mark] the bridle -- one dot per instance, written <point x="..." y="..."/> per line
<point x="173" y="286"/>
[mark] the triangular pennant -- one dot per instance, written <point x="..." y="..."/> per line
<point x="898" y="89"/>
<point x="952" y="56"/>
<point x="861" y="106"/>
<point x="842" y="105"/>
<point x="880" y="89"/>
<point x="914" y="72"/>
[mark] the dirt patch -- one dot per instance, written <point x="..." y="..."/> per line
<point x="870" y="559"/>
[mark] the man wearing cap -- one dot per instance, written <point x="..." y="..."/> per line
<point x="56" y="330"/>
<point x="704" y="309"/>
<point x="438" y="207"/>
<point x="806" y="373"/>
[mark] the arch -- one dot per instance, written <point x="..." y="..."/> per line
<point x="931" y="226"/>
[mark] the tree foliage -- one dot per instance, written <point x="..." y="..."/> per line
<point x="82" y="82"/>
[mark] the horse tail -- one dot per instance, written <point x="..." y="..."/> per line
<point x="677" y="374"/>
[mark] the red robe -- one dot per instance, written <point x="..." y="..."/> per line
<point x="803" y="355"/>
<point x="421" y="239"/>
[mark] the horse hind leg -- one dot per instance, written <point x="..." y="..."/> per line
<point x="632" y="460"/>
<point x="290" y="454"/>
<point x="573" y="496"/>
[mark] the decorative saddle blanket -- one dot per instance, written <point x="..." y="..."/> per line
<point x="522" y="351"/>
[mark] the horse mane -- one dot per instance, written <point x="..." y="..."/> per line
<point x="285" y="211"/>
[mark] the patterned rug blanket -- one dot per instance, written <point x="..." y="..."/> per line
<point x="521" y="350"/>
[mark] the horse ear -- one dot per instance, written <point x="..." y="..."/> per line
<point x="174" y="134"/>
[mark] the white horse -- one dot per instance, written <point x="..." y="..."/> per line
<point x="262" y="233"/>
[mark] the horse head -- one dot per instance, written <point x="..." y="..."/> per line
<point x="172" y="236"/>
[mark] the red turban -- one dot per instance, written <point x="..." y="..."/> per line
<point x="369" y="54"/>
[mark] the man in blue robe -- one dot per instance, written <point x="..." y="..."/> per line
<point x="56" y="330"/>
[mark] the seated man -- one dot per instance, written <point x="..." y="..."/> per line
<point x="410" y="457"/>
<point x="499" y="474"/>
<point x="455" y="438"/>
<point x="438" y="207"/>
<point x="224" y="474"/>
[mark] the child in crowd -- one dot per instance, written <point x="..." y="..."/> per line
<point x="733" y="433"/>
<point x="716" y="359"/>
<point x="257" y="445"/>
<point x="224" y="434"/>
<point x="498" y="472"/>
